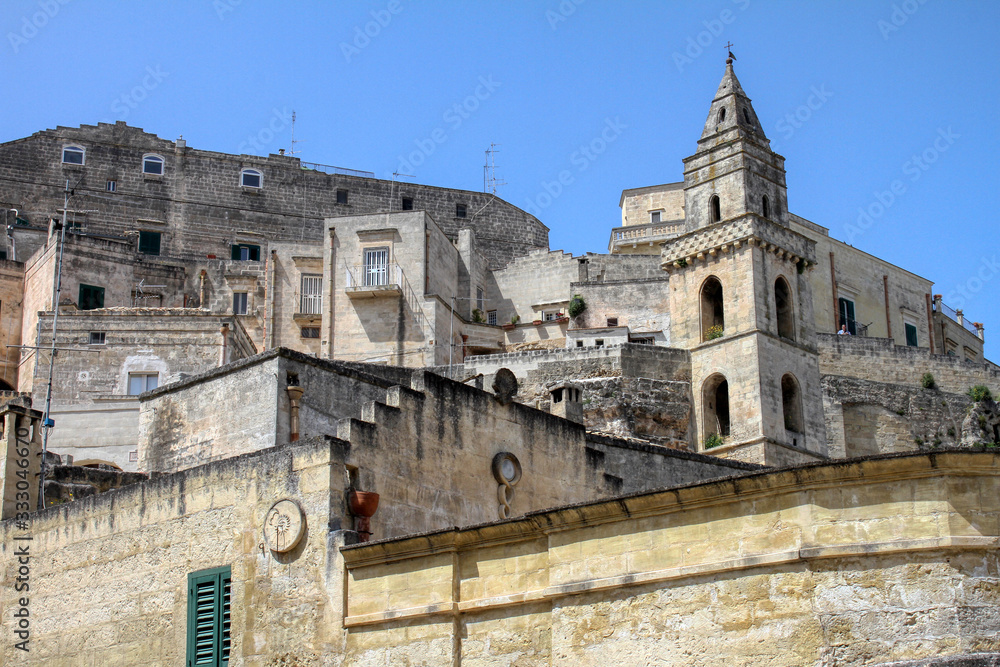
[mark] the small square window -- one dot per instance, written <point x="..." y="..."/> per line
<point x="599" y="342"/>
<point x="460" y="210"/>
<point x="97" y="337"/>
<point x="73" y="155"/>
<point x="310" y="332"/>
<point x="341" y="196"/>
<point x="133" y="456"/>
<point x="239" y="303"/>
<point x="579" y="343"/>
<point x="142" y="382"/>
<point x="612" y="321"/>
<point x="251" y="178"/>
<point x="112" y="186"/>
<point x="491" y="317"/>
<point x="245" y="252"/>
<point x="91" y="297"/>
<point x="407" y="204"/>
<point x="149" y="243"/>
<point x="654" y="217"/>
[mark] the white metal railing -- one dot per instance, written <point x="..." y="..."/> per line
<point x="375" y="274"/>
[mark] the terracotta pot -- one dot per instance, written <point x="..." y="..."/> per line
<point x="537" y="322"/>
<point x="507" y="327"/>
<point x="362" y="503"/>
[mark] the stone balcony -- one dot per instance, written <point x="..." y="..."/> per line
<point x="373" y="281"/>
<point x="649" y="234"/>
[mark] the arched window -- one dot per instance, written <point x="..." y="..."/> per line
<point x="713" y="321"/>
<point x="74" y="154"/>
<point x="746" y="116"/>
<point x="714" y="209"/>
<point x="152" y="164"/>
<point x="722" y="114"/>
<point x="765" y="207"/>
<point x="715" y="406"/>
<point x="791" y="403"/>
<point x="251" y="178"/>
<point x="783" y="305"/>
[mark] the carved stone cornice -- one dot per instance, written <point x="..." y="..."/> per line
<point x="732" y="235"/>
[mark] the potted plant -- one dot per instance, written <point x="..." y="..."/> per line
<point x="513" y="322"/>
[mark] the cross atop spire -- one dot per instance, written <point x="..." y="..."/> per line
<point x="731" y="58"/>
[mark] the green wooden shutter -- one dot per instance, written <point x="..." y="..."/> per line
<point x="235" y="252"/>
<point x="208" y="636"/>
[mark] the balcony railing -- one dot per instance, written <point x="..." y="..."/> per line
<point x="956" y="315"/>
<point x="330" y="169"/>
<point x="372" y="279"/>
<point x="653" y="231"/>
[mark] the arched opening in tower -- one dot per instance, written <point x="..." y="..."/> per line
<point x="785" y="312"/>
<point x="713" y="320"/>
<point x="791" y="403"/>
<point x="715" y="401"/>
<point x="714" y="209"/>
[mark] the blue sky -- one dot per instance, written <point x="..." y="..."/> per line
<point x="886" y="106"/>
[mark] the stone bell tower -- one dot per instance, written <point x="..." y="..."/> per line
<point x="739" y="299"/>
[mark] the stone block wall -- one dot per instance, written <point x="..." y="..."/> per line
<point x="11" y="301"/>
<point x="640" y="305"/>
<point x="531" y="284"/>
<point x="636" y="203"/>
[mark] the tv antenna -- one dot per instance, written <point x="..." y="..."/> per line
<point x="291" y="149"/>
<point x="392" y="187"/>
<point x="490" y="180"/>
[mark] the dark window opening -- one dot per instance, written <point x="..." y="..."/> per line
<point x="341" y="196"/>
<point x="791" y="404"/>
<point x="310" y="332"/>
<point x="152" y="164"/>
<point x="714" y="209"/>
<point x="251" y="178"/>
<point x="746" y="116"/>
<point x="654" y="217"/>
<point x="766" y="207"/>
<point x="713" y="320"/>
<point x="97" y="337"/>
<point x="73" y="155"/>
<point x="246" y="252"/>
<point x="612" y="321"/>
<point x="716" y="406"/>
<point x="911" y="334"/>
<point x="149" y="243"/>
<point x="239" y="303"/>
<point x="407" y="204"/>
<point x="90" y="297"/>
<point x="579" y="343"/>
<point x="460" y="210"/>
<point x="783" y="305"/>
<point x="722" y="114"/>
<point x="846" y="307"/>
<point x="599" y="342"/>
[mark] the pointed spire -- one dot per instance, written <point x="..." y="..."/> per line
<point x="731" y="109"/>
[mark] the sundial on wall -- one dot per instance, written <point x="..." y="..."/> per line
<point x="283" y="526"/>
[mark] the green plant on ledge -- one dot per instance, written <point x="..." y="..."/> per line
<point x="576" y="305"/>
<point x="514" y="319"/>
<point x="477" y="315"/>
<point x="980" y="393"/>
<point x="927" y="381"/>
<point x="713" y="332"/>
<point x="714" y="440"/>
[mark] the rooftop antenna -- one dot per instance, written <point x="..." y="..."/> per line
<point x="490" y="180"/>
<point x="291" y="149"/>
<point x="139" y="300"/>
<point x="395" y="175"/>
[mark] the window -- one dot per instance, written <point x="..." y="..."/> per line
<point x="480" y="299"/>
<point x="341" y="196"/>
<point x="550" y="315"/>
<point x="643" y="340"/>
<point x="407" y="204"/>
<point x="783" y="305"/>
<point x="112" y="186"/>
<point x="246" y="252"/>
<point x="90" y="297"/>
<point x="722" y="114"/>
<point x="153" y="164"/>
<point x="133" y="456"/>
<point x="599" y="342"/>
<point x="460" y="210"/>
<point x="911" y="334"/>
<point x="654" y="217"/>
<point x="208" y="622"/>
<point x="73" y="155"/>
<point x="612" y="321"/>
<point x="714" y="209"/>
<point x="791" y="403"/>
<point x="765" y="206"/>
<point x="251" y="178"/>
<point x="312" y="296"/>
<point x="97" y="337"/>
<point x="713" y="320"/>
<point x="847" y="315"/>
<point x="746" y="116"/>
<point x="579" y="343"/>
<point x="239" y="303"/>
<point x="491" y="317"/>
<point x="376" y="268"/>
<point x="310" y="332"/>
<point x="715" y="399"/>
<point x="149" y="243"/>
<point x="141" y="382"/>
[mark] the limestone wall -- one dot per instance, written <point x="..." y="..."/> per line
<point x="640" y="305"/>
<point x="832" y="564"/>
<point x="637" y="203"/>
<point x="531" y="284"/>
<point x="11" y="300"/>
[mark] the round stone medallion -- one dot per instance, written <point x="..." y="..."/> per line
<point x="283" y="526"/>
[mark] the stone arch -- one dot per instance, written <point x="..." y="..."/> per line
<point x="5" y="386"/>
<point x="784" y="306"/>
<point x="715" y="406"/>
<point x="714" y="209"/>
<point x="791" y="404"/>
<point x="713" y="316"/>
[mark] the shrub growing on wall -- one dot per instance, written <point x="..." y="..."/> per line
<point x="980" y="393"/>
<point x="927" y="381"/>
<point x="576" y="305"/>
